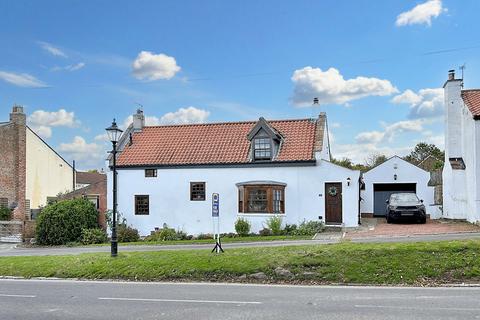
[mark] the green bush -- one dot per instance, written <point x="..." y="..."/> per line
<point x="126" y="233"/>
<point x="5" y="214"/>
<point x="309" y="228"/>
<point x="164" y="234"/>
<point x="290" y="229"/>
<point x="265" y="232"/>
<point x="275" y="225"/>
<point x="204" y="236"/>
<point x="93" y="236"/>
<point x="242" y="227"/>
<point x="63" y="221"/>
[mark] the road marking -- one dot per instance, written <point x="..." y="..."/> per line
<point x="16" y="295"/>
<point x="415" y="308"/>
<point x="179" y="300"/>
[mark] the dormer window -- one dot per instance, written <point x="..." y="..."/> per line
<point x="264" y="141"/>
<point x="262" y="148"/>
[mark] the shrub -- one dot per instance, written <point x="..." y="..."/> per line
<point x="290" y="229"/>
<point x="63" y="221"/>
<point x="265" y="232"/>
<point x="164" y="234"/>
<point x="93" y="236"/>
<point x="275" y="224"/>
<point x="242" y="227"/>
<point x="126" y="233"/>
<point x="309" y="228"/>
<point x="228" y="235"/>
<point x="203" y="236"/>
<point x="5" y="214"/>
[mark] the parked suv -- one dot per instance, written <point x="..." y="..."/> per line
<point x="405" y="205"/>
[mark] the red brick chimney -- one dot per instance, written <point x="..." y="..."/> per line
<point x="18" y="119"/>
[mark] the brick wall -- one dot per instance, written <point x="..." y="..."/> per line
<point x="13" y="161"/>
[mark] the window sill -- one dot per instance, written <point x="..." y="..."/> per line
<point x="253" y="214"/>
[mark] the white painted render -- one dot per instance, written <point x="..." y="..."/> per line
<point x="47" y="174"/>
<point x="170" y="195"/>
<point x="406" y="173"/>
<point x="461" y="188"/>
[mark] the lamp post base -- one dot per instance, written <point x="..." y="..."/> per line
<point x="114" y="248"/>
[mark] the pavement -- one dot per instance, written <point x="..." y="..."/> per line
<point x="64" y="299"/>
<point x="17" y="250"/>
<point x="377" y="227"/>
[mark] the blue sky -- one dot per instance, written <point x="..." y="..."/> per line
<point x="74" y="65"/>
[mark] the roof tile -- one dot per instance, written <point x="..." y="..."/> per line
<point x="214" y="143"/>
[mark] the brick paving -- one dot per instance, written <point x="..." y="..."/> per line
<point x="379" y="228"/>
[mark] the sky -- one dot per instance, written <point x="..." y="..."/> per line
<point x="377" y="67"/>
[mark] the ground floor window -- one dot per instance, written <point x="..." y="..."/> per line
<point x="197" y="191"/>
<point x="261" y="199"/>
<point x="142" y="204"/>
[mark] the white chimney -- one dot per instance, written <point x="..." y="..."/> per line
<point x="138" y="120"/>
<point x="453" y="116"/>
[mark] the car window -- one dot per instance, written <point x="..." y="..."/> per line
<point x="403" y="197"/>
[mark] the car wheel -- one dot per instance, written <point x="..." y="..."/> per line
<point x="389" y="220"/>
<point x="423" y="220"/>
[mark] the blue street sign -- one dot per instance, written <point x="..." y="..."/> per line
<point x="215" y="205"/>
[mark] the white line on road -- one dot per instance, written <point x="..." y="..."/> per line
<point x="179" y="300"/>
<point x="16" y="295"/>
<point x="415" y="308"/>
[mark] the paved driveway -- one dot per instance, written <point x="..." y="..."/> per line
<point x="374" y="227"/>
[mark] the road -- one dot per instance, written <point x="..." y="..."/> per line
<point x="14" y="250"/>
<point x="64" y="299"/>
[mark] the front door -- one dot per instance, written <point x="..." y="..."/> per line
<point x="333" y="203"/>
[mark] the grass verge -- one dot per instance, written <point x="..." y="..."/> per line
<point x="423" y="263"/>
<point x="203" y="241"/>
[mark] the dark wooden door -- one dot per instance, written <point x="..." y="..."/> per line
<point x="333" y="203"/>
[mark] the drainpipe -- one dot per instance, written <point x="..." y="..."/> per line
<point x="74" y="176"/>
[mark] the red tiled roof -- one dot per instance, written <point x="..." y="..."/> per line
<point x="214" y="143"/>
<point x="472" y="100"/>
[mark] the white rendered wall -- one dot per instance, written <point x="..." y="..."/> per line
<point x="461" y="187"/>
<point x="170" y="195"/>
<point x="406" y="173"/>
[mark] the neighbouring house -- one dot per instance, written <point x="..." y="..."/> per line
<point x="431" y="163"/>
<point x="91" y="186"/>
<point x="393" y="176"/>
<point x="461" y="172"/>
<point x="167" y="174"/>
<point x="31" y="171"/>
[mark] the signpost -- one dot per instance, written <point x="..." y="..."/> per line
<point x="216" y="222"/>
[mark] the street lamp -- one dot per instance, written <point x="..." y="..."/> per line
<point x="114" y="134"/>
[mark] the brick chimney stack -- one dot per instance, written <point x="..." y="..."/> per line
<point x="19" y="121"/>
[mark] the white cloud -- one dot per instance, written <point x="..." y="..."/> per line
<point x="42" y="121"/>
<point x="185" y="115"/>
<point x="359" y="153"/>
<point x="70" y="67"/>
<point x="21" y="79"/>
<point x="181" y="116"/>
<point x="85" y="154"/>
<point x="335" y="125"/>
<point x="43" y="131"/>
<point x="331" y="88"/>
<point x="426" y="103"/>
<point x="421" y="13"/>
<point x="390" y="132"/>
<point x="52" y="49"/>
<point x="150" y="66"/>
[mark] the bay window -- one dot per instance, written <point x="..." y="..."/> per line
<point x="261" y="198"/>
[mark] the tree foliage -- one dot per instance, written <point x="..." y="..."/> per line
<point x="63" y="221"/>
<point x="422" y="151"/>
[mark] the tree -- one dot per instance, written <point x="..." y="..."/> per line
<point x="375" y="159"/>
<point x="347" y="163"/>
<point x="422" y="151"/>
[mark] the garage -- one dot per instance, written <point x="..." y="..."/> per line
<point x="382" y="192"/>
<point x="395" y="175"/>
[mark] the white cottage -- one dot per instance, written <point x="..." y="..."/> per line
<point x="461" y="172"/>
<point x="393" y="176"/>
<point x="167" y="174"/>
